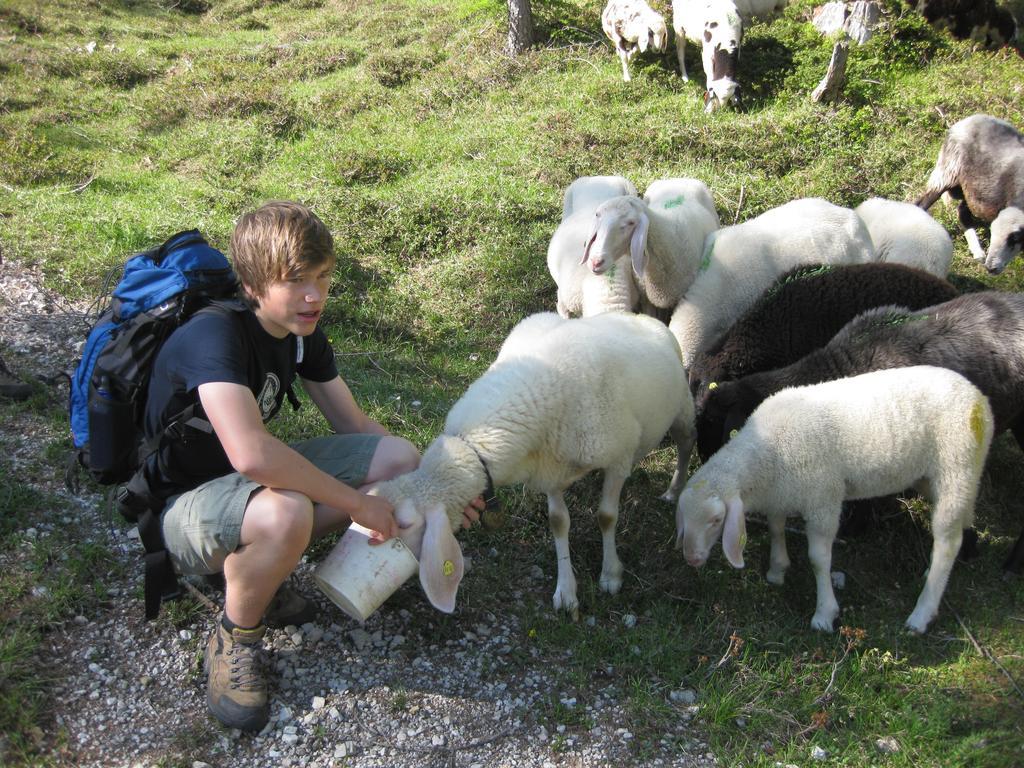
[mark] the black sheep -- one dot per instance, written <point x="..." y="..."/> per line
<point x="978" y="335"/>
<point x="802" y="311"/>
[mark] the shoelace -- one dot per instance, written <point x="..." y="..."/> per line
<point x="246" y="667"/>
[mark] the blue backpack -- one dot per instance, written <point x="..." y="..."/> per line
<point x="159" y="290"/>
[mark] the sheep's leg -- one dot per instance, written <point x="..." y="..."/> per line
<point x="607" y="519"/>
<point x="624" y="58"/>
<point x="945" y="545"/>
<point x="565" y="590"/>
<point x="680" y="53"/>
<point x="779" y="557"/>
<point x="684" y="436"/>
<point x="927" y="200"/>
<point x="971" y="235"/>
<point x="820" y="535"/>
<point x="1014" y="562"/>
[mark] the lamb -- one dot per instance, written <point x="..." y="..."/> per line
<point x="579" y="290"/>
<point x="563" y="398"/>
<point x="801" y="312"/>
<point x="663" y="235"/>
<point x="978" y="335"/>
<point x="632" y="25"/>
<point x="740" y="262"/>
<point x="981" y="164"/>
<point x="717" y="26"/>
<point x="904" y="234"/>
<point x="807" y="449"/>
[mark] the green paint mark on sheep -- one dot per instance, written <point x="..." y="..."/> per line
<point x="709" y="250"/>
<point x="800" y="274"/>
<point x="675" y="202"/>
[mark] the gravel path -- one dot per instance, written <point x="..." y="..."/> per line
<point x="409" y="688"/>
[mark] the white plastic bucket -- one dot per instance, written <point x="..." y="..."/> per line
<point x="358" y="577"/>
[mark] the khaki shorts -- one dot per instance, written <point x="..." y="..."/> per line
<point x="202" y="527"/>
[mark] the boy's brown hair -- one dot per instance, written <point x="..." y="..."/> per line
<point x="278" y="239"/>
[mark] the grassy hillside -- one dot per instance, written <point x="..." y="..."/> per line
<point x="438" y="162"/>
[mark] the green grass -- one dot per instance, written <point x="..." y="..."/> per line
<point x="438" y="162"/>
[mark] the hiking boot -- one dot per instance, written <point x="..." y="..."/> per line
<point x="289" y="608"/>
<point x="236" y="688"/>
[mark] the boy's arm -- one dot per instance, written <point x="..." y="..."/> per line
<point x="257" y="454"/>
<point x="335" y="401"/>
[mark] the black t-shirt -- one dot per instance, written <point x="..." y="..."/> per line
<point x="219" y="345"/>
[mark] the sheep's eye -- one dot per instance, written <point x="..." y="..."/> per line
<point x="713" y="24"/>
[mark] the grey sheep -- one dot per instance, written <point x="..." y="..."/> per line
<point x="981" y="164"/>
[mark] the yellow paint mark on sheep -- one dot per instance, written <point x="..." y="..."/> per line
<point x="713" y="385"/>
<point x="675" y="202"/>
<point x="448" y="568"/>
<point x="699" y="484"/>
<point x="733" y="433"/>
<point x="978" y="429"/>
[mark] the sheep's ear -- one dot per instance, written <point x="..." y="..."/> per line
<point x="588" y="243"/>
<point x="734" y="537"/>
<point x="441" y="564"/>
<point x="638" y="245"/>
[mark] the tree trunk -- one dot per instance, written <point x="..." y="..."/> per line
<point x="520" y="26"/>
<point x="832" y="84"/>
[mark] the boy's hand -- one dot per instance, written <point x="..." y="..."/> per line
<point x="471" y="514"/>
<point x="377" y="514"/>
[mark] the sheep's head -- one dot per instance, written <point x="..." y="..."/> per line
<point x="658" y="36"/>
<point x="722" y="412"/>
<point x="721" y="93"/>
<point x="619" y="228"/>
<point x="1007" y="239"/>
<point x="702" y="516"/>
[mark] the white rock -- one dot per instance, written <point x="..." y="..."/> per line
<point x="319" y="702"/>
<point x="686" y="697"/>
<point x="817" y="753"/>
<point x="887" y="745"/>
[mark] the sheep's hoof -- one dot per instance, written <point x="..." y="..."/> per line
<point x="611" y="583"/>
<point x="775" y="577"/>
<point x="568" y="603"/>
<point x="821" y="623"/>
<point x="918" y="624"/>
<point x="668" y="497"/>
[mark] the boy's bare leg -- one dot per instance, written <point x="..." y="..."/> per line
<point x="394" y="456"/>
<point x="275" y="532"/>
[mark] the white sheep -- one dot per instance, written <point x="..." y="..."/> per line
<point x="902" y="233"/>
<point x="740" y="262"/>
<point x="717" y="26"/>
<point x="807" y="449"/>
<point x="632" y="25"/>
<point x="579" y="290"/>
<point x="563" y="398"/>
<point x="663" y="236"/>
<point x="981" y="164"/>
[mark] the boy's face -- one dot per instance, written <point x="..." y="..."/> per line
<point x="294" y="303"/>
